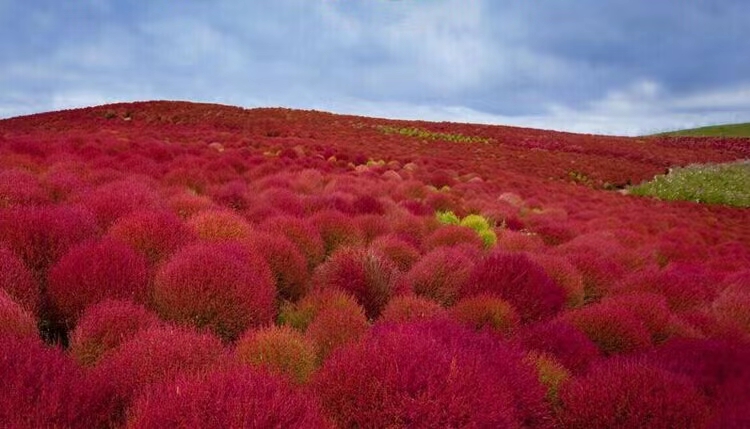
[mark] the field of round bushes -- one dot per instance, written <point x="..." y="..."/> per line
<point x="206" y="266"/>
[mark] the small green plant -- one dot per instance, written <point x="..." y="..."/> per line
<point x="431" y="135"/>
<point x="448" y="218"/>
<point x="727" y="184"/>
<point x="478" y="223"/>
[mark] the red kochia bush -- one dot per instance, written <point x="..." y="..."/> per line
<point x="154" y="234"/>
<point x="440" y="275"/>
<point x="370" y="277"/>
<point x="337" y="230"/>
<point x="451" y="235"/>
<point x="219" y="225"/>
<point x="224" y="287"/>
<point x="518" y="280"/>
<point x="407" y="308"/>
<point x="93" y="271"/>
<point x="301" y="233"/>
<point x="614" y="329"/>
<point x="631" y="394"/>
<point x="41" y="235"/>
<point x="430" y="374"/>
<point x="106" y="325"/>
<point x="287" y="263"/>
<point x="154" y="355"/>
<point x="564" y="341"/>
<point x="42" y="388"/>
<point x="116" y="199"/>
<point x="20" y="188"/>
<point x="17" y="281"/>
<point x="398" y="250"/>
<point x="278" y="349"/>
<point x="14" y="319"/>
<point x="233" y="398"/>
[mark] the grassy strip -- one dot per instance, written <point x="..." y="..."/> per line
<point x="431" y="135"/>
<point x="727" y="184"/>
<point x="728" y="130"/>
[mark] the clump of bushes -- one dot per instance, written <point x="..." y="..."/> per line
<point x="479" y="224"/>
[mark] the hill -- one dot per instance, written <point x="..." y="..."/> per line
<point x="726" y="130"/>
<point x="233" y="267"/>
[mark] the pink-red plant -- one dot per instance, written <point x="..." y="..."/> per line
<point x="565" y="342"/>
<point x="219" y="225"/>
<point x="486" y="312"/>
<point x="337" y="230"/>
<point x="398" y="250"/>
<point x="41" y="235"/>
<point x="154" y="234"/>
<point x="42" y="388"/>
<point x="407" y="308"/>
<point x="151" y="356"/>
<point x="113" y="200"/>
<point x="280" y="350"/>
<point x="224" y="287"/>
<point x="287" y="263"/>
<point x="232" y="398"/>
<point x="430" y="374"/>
<point x="631" y="394"/>
<point x="93" y="271"/>
<point x="106" y="325"/>
<point x="14" y="319"/>
<point x="519" y="280"/>
<point x="369" y="276"/>
<point x="16" y="280"/>
<point x="613" y="328"/>
<point x="452" y="235"/>
<point x="440" y="275"/>
<point x="301" y="233"/>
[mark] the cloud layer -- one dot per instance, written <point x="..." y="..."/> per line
<point x="615" y="67"/>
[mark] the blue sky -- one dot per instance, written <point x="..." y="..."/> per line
<point x="613" y="67"/>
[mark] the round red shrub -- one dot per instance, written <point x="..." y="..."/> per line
<point x="233" y="398"/>
<point x="614" y="329"/>
<point x="113" y="200"/>
<point x="717" y="367"/>
<point x="372" y="226"/>
<point x="430" y="374"/>
<point x="20" y="188"/>
<point x="452" y="235"/>
<point x="407" y="308"/>
<point x="301" y="233"/>
<point x="486" y="312"/>
<point x="565" y="342"/>
<point x="106" y="325"/>
<point x="337" y="230"/>
<point x="219" y="225"/>
<point x="93" y="271"/>
<point x="17" y="281"/>
<point x="186" y="205"/>
<point x="336" y="326"/>
<point x="518" y="280"/>
<point x="650" y="308"/>
<point x="398" y="250"/>
<point x="370" y="277"/>
<point x="280" y="350"/>
<point x="440" y="275"/>
<point x="151" y="356"/>
<point x="223" y="287"/>
<point x="287" y="263"/>
<point x="14" y="319"/>
<point x="41" y="235"/>
<point x="154" y="234"/>
<point x="564" y="274"/>
<point x="631" y="394"/>
<point x="42" y="388"/>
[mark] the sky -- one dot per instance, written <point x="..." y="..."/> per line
<point x="625" y="67"/>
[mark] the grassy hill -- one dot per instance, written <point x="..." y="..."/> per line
<point x="726" y="130"/>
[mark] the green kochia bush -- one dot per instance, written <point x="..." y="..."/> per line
<point x="473" y="221"/>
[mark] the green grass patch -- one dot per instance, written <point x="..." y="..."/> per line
<point x="727" y="184"/>
<point x="430" y="135"/>
<point x="727" y="130"/>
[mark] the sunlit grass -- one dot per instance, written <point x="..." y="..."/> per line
<point x="727" y="184"/>
<point x="431" y="135"/>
